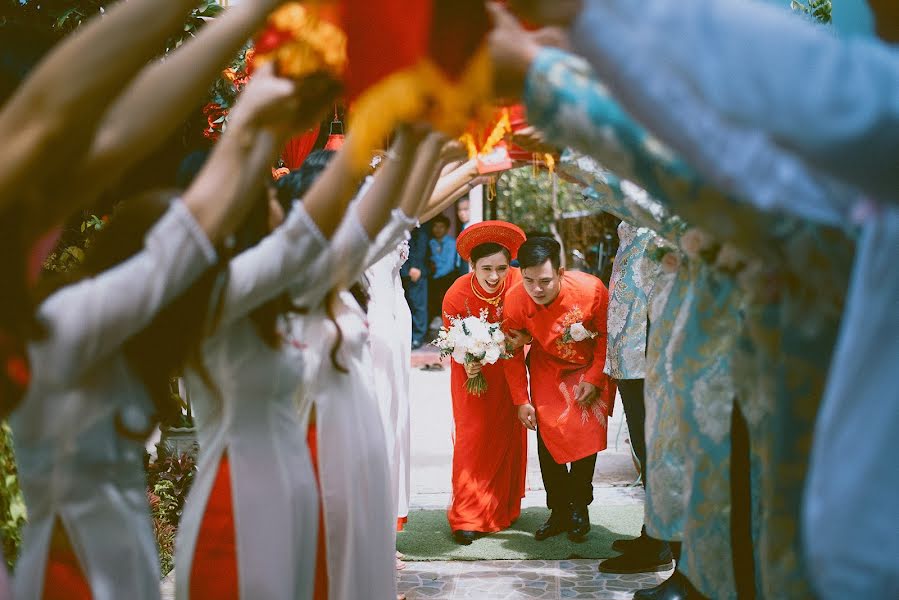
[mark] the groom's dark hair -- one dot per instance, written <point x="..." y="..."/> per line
<point x="537" y="250"/>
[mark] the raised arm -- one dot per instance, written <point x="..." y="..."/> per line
<point x="48" y="125"/>
<point x="91" y="319"/>
<point x="447" y="186"/>
<point x="833" y="102"/>
<point x="417" y="189"/>
<point x="565" y="98"/>
<point x="163" y="95"/>
<point x="346" y="260"/>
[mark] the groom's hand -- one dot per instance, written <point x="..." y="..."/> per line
<point x="585" y="394"/>
<point x="528" y="416"/>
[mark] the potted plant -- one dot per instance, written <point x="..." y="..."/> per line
<point x="179" y="436"/>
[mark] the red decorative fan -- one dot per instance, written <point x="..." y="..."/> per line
<point x="298" y="148"/>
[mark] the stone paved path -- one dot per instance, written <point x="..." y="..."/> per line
<point x="514" y="579"/>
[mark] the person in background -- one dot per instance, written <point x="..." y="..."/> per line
<point x="443" y="259"/>
<point x="463" y="216"/>
<point x="414" y="274"/>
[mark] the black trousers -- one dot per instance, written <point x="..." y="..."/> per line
<point x="564" y="486"/>
<point x="631" y="391"/>
<point x="741" y="506"/>
<point x="417" y="298"/>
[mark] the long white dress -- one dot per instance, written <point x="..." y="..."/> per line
<point x="390" y="325"/>
<point x="73" y="463"/>
<point x="357" y="489"/>
<point x="252" y="416"/>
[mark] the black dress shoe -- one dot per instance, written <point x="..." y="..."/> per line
<point x="580" y="524"/>
<point x="676" y="587"/>
<point x="648" y="557"/>
<point x="625" y="545"/>
<point x="465" y="538"/>
<point x="558" y="522"/>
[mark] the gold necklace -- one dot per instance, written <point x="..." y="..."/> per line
<point x="492" y="301"/>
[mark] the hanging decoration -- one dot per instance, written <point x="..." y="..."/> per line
<point x="335" y="140"/>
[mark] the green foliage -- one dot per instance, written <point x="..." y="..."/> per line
<point x="168" y="481"/>
<point x="73" y="244"/>
<point x="525" y="198"/>
<point x="818" y="10"/>
<point x="64" y="16"/>
<point x="12" y="504"/>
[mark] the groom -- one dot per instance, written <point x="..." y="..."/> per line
<point x="570" y="396"/>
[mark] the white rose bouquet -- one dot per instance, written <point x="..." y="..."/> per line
<point x="472" y="340"/>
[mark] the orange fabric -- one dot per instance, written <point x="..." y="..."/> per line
<point x="569" y="431"/>
<point x="401" y="523"/>
<point x="214" y="569"/>
<point x="63" y="579"/>
<point x="490" y="445"/>
<point x="321" y="557"/>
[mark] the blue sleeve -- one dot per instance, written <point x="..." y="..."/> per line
<point x="445" y="258"/>
<point x="833" y="103"/>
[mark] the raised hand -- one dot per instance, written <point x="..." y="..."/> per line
<point x="452" y="151"/>
<point x="512" y="49"/>
<point x="282" y="105"/>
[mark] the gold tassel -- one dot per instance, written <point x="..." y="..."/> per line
<point x="550" y="162"/>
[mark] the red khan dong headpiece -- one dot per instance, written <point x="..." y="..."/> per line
<point x="507" y="235"/>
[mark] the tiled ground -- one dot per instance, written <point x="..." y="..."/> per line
<point x="513" y="579"/>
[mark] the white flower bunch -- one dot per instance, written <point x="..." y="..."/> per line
<point x="472" y="340"/>
<point x="576" y="332"/>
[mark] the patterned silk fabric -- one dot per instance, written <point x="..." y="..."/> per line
<point x="698" y="336"/>
<point x="629" y="291"/>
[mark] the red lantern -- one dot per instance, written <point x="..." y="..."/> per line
<point x="298" y="148"/>
<point x="335" y="140"/>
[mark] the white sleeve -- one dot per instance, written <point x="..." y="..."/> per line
<point x="289" y="254"/>
<point x="396" y="231"/>
<point x="834" y="103"/>
<point x="341" y="264"/>
<point x="89" y="320"/>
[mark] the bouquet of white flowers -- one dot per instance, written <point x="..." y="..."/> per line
<point x="472" y="340"/>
